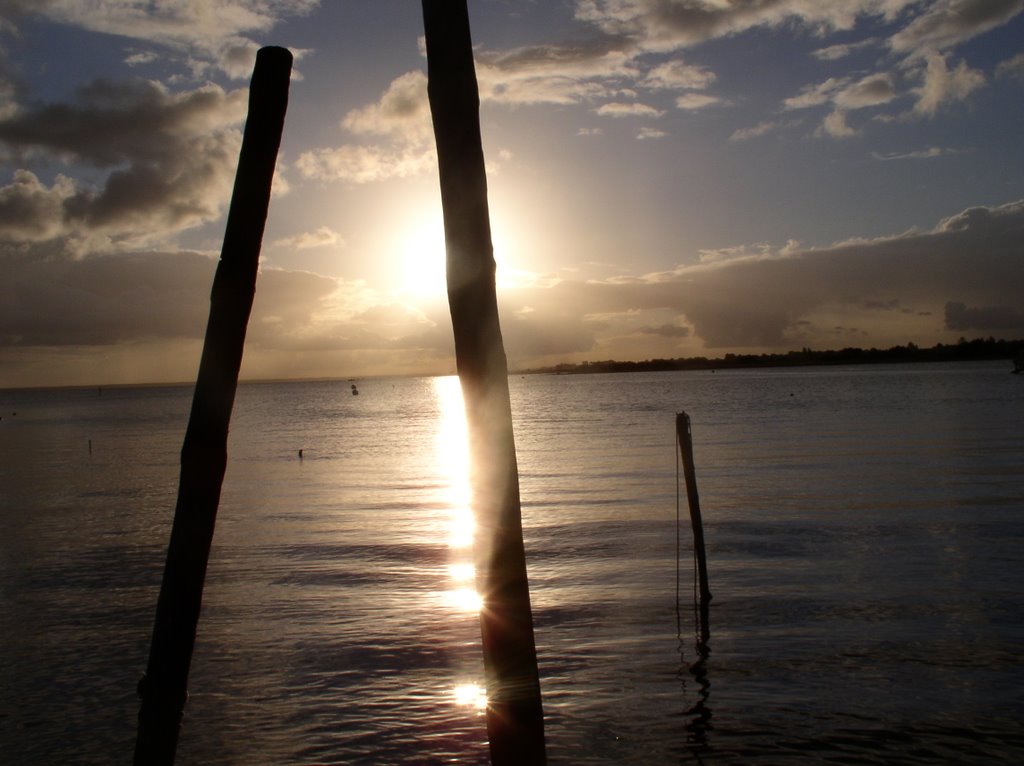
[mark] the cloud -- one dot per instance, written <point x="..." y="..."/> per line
<point x="666" y="331"/>
<point x="678" y="75"/>
<point x="401" y="118"/>
<point x="839" y="51"/>
<point x="322" y="237"/>
<point x="108" y="302"/>
<point x="664" y="26"/>
<point x="921" y="154"/>
<point x="166" y="162"/>
<point x="943" y="86"/>
<point x="835" y="125"/>
<point x="646" y="134"/>
<point x="929" y="286"/>
<point x="760" y="298"/>
<point x="110" y="123"/>
<point x="618" y="109"/>
<point x="945" y="24"/>
<point x="566" y="73"/>
<point x="365" y="164"/>
<point x="217" y="33"/>
<point x="844" y="95"/>
<point x="656" y="25"/>
<point x="402" y="111"/>
<point x="104" y="301"/>
<point x="140" y="57"/>
<point x="939" y="87"/>
<point x="692" y="102"/>
<point x="756" y="131"/>
<point x="816" y="95"/>
<point x="984" y="319"/>
<point x="870" y="91"/>
<point x="32" y="212"/>
<point x="1012" y="68"/>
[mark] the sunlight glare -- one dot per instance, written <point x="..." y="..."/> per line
<point x="420" y="257"/>
<point x="462" y="572"/>
<point x="460" y="534"/>
<point x="464" y="599"/>
<point x="470" y="695"/>
<point x="421" y="261"/>
<point x="452" y="452"/>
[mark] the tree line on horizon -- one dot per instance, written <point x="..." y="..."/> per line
<point x="979" y="349"/>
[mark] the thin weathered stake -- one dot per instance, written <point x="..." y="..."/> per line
<point x="204" y="453"/>
<point x="515" y="719"/>
<point x="690" y="477"/>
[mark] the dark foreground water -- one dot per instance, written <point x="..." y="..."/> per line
<point x="865" y="530"/>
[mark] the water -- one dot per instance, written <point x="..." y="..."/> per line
<point x="864" y="529"/>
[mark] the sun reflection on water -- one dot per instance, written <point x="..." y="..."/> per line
<point x="470" y="695"/>
<point x="452" y="454"/>
<point x="461" y="529"/>
<point x="464" y="599"/>
<point x="462" y="572"/>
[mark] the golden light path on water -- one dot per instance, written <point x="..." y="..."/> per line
<point x="452" y="452"/>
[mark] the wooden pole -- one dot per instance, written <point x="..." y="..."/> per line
<point x="690" y="476"/>
<point x="515" y="719"/>
<point x="204" y="452"/>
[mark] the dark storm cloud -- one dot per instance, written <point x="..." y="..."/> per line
<point x="115" y="299"/>
<point x="168" y="160"/>
<point x="103" y="301"/>
<point x="766" y="300"/>
<point x="984" y="318"/>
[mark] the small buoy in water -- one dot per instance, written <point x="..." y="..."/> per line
<point x="300" y="454"/>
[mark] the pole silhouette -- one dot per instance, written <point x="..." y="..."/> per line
<point x="163" y="689"/>
<point x="515" y="719"/>
<point x="683" y="434"/>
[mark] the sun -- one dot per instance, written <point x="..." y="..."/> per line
<point x="421" y="259"/>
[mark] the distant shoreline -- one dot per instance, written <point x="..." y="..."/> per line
<point x="979" y="349"/>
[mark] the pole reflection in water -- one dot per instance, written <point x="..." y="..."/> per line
<point x="697" y="717"/>
<point x="452" y="451"/>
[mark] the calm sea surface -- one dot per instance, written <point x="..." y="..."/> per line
<point x="865" y="532"/>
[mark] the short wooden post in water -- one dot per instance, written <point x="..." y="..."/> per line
<point x="515" y="719"/>
<point x="690" y="476"/>
<point x="204" y="453"/>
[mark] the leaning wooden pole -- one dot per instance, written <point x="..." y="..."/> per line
<point x="690" y="476"/>
<point x="204" y="452"/>
<point x="515" y="720"/>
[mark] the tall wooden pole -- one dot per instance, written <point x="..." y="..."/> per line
<point x="204" y="452"/>
<point x="515" y="719"/>
<point x="696" y="522"/>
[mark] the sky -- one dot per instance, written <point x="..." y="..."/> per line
<point x="666" y="178"/>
